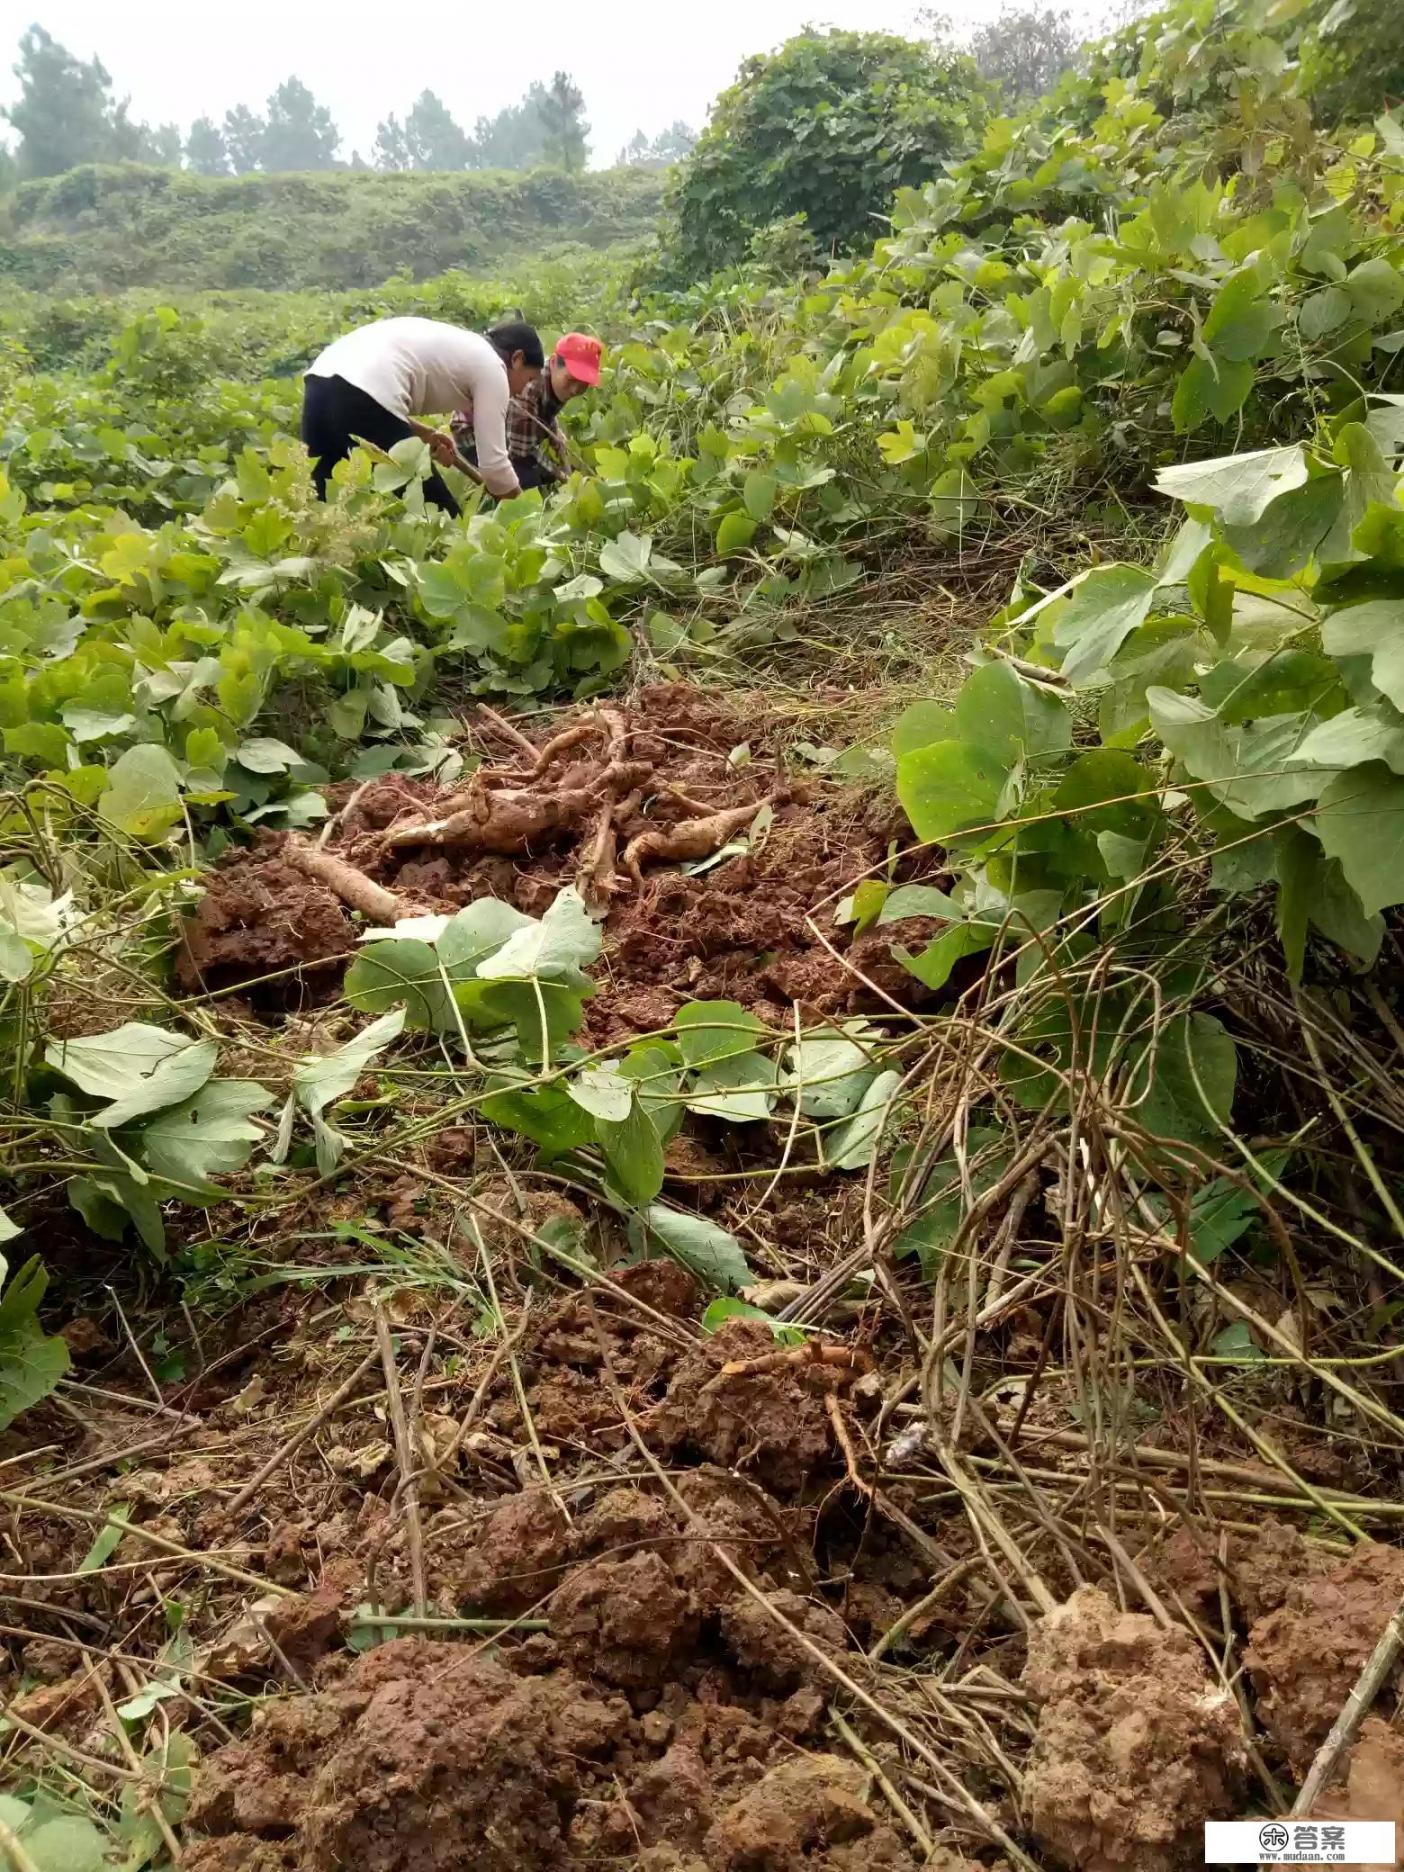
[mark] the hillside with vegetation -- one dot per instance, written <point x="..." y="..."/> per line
<point x="111" y="229"/>
<point x="706" y="1173"/>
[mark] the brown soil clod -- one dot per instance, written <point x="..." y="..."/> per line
<point x="260" y="917"/>
<point x="1136" y="1746"/>
<point x="1305" y="1656"/>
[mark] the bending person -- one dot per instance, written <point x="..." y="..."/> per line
<point x="377" y="382"/>
<point x="535" y="442"/>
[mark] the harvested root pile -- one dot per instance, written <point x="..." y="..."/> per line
<point x="617" y="802"/>
<point x="562" y="792"/>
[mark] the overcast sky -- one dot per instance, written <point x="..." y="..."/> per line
<point x="640" y="63"/>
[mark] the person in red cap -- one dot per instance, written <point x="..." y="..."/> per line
<point x="535" y="445"/>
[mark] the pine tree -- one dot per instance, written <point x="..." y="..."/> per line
<point x="669" y="146"/>
<point x="65" y="114"/>
<point x="299" y="133"/>
<point x="243" y="139"/>
<point x="391" y="147"/>
<point x="161" y="145"/>
<point x="565" y="140"/>
<point x="514" y="138"/>
<point x="205" y="149"/>
<point x="433" y="139"/>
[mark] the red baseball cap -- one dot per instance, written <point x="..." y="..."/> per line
<point x="581" y="356"/>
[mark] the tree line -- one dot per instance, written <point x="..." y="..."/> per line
<point x="67" y="114"/>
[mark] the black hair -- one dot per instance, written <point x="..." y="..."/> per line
<point x="516" y="335"/>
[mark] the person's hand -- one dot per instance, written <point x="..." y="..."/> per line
<point x="443" y="448"/>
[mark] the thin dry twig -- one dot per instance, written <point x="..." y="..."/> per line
<point x="14" y="1851"/>
<point x="404" y="1455"/>
<point x="289" y="1447"/>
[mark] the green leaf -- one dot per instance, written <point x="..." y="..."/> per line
<point x="950" y="787"/>
<point x="653" y="1069"/>
<point x="1375" y="630"/>
<point x="920" y="725"/>
<point x="31" y="1361"/>
<point x="1299" y="866"/>
<point x="740" y="1089"/>
<point x="603" y="1092"/>
<point x="1352" y="737"/>
<point x="319" y="1078"/>
<point x="829" y="1070"/>
<point x="1098" y="617"/>
<point x="863" y="906"/>
<point x="142" y="795"/>
<point x="633" y="1154"/>
<point x="1185" y="1083"/>
<point x="1108" y="790"/>
<point x="142" y="1069"/>
<point x="545" y="1114"/>
<point x="66" y="1843"/>
<point x="209" y="1135"/>
<point x="853" y="1145"/>
<point x="265" y="756"/>
<point x="9" y="1228"/>
<point x="401" y="974"/>
<point x="712" y="1253"/>
<point x="1360" y="822"/>
<point x="1237" y="1344"/>
<point x="917" y="900"/>
<point x="1251" y="770"/>
<point x="108" y="1538"/>
<point x="626" y="558"/>
<point x="566" y="940"/>
<point x="522" y="1005"/>
<point x="1016" y="719"/>
<point x="1324" y="312"/>
<point x="709" y="1031"/>
<point x="1218" y="1215"/>
<point x="1237" y="487"/>
<point x="1340" y="916"/>
<point x="721" y="1312"/>
<point x="17" y="960"/>
<point x="932" y="965"/>
<point x="169" y="1767"/>
<point x="1241" y="322"/>
<point x="758" y="492"/>
<point x="735" y="533"/>
<point x="1218" y="389"/>
<point x="478" y="930"/>
<point x="1376" y="290"/>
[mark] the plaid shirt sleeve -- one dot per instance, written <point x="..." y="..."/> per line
<point x="529" y="434"/>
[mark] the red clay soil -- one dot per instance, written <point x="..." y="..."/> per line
<point x="1305" y="1656"/>
<point x="741" y="930"/>
<point x="1371" y="1785"/>
<point x="672" y="1712"/>
<point x="1136" y="1747"/>
<point x="664" y="1717"/>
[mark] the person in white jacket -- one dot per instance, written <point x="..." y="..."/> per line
<point x="379" y="381"/>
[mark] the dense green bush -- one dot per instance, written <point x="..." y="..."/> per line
<point x="827" y="127"/>
<point x="114" y="228"/>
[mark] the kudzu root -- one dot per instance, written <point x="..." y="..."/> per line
<point x="690" y="838"/>
<point x="352" y="886"/>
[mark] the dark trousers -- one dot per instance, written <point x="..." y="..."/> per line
<point x="336" y="415"/>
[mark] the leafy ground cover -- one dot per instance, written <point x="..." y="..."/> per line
<point x="717" y="1163"/>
